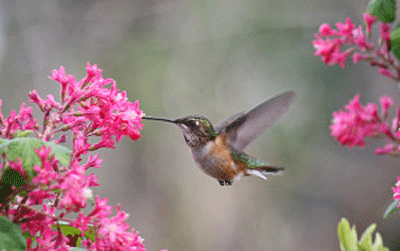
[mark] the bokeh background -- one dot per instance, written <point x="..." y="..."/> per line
<point x="215" y="58"/>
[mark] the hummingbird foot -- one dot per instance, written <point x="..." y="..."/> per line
<point x="225" y="182"/>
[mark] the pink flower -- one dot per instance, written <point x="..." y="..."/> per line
<point x="1" y="113"/>
<point x="75" y="185"/>
<point x="326" y="30"/>
<point x="99" y="110"/>
<point x="46" y="174"/>
<point x="389" y="149"/>
<point x="346" y="28"/>
<point x="351" y="127"/>
<point x="22" y="121"/>
<point x="386" y="103"/>
<point x="357" y="57"/>
<point x="330" y="51"/>
<point x="369" y="20"/>
<point x="82" y="222"/>
<point x="35" y="98"/>
<point x="385" y="72"/>
<point x="17" y="166"/>
<point x="38" y="195"/>
<point x="101" y="209"/>
<point x="396" y="190"/>
<point x="93" y="161"/>
<point x="384" y="29"/>
<point x="114" y="235"/>
<point x="64" y="79"/>
<point x="360" y="39"/>
<point x="81" y="146"/>
<point x="91" y="107"/>
<point x="330" y="45"/>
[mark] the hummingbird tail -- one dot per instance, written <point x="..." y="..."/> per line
<point x="264" y="170"/>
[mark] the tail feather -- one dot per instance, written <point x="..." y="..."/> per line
<point x="265" y="170"/>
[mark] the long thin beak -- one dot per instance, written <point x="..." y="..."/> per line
<point x="160" y="119"/>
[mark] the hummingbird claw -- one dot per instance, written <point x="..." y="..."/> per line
<point x="225" y="182"/>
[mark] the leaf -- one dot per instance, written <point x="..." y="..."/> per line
<point x="89" y="234"/>
<point x="73" y="234"/>
<point x="378" y="245"/>
<point x="395" y="42"/>
<point x="9" y="179"/>
<point x="25" y="149"/>
<point x="22" y="134"/>
<point x="384" y="10"/>
<point x="366" y="238"/>
<point x="13" y="178"/>
<point x="347" y="236"/>
<point x="11" y="237"/>
<point x="391" y="208"/>
<point x="3" y="144"/>
<point x="70" y="230"/>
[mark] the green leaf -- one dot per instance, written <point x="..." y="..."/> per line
<point x="3" y="144"/>
<point x="11" y="237"/>
<point x="378" y="245"/>
<point x="13" y="178"/>
<point x="393" y="207"/>
<point x="89" y="234"/>
<point x="9" y="179"/>
<point x="347" y="236"/>
<point x="25" y="149"/>
<point x="384" y="10"/>
<point x="395" y="42"/>
<point x="78" y="249"/>
<point x="73" y="234"/>
<point x="366" y="238"/>
<point x="69" y="230"/>
<point x="22" y="134"/>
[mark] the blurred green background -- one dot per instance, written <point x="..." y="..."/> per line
<point x="214" y="58"/>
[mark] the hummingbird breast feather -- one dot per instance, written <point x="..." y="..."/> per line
<point x="215" y="159"/>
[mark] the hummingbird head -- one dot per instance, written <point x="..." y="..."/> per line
<point x="197" y="130"/>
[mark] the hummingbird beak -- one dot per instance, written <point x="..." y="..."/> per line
<point x="160" y="119"/>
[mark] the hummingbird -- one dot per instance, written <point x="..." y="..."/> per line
<point x="219" y="150"/>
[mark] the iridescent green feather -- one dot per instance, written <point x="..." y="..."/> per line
<point x="209" y="127"/>
<point x="248" y="160"/>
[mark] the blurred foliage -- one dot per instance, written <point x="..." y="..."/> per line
<point x="349" y="241"/>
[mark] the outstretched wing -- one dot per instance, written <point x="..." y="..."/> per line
<point x="244" y="129"/>
<point x="222" y="124"/>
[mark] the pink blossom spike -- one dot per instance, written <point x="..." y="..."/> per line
<point x="386" y="103"/>
<point x="326" y="30"/>
<point x="369" y="21"/>
<point x="351" y="127"/>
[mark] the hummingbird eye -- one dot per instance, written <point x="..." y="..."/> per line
<point x="193" y="123"/>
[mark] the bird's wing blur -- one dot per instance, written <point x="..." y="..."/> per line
<point x="244" y="129"/>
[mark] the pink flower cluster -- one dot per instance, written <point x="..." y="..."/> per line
<point x="329" y="45"/>
<point x="23" y="121"/>
<point x="89" y="109"/>
<point x="396" y="190"/>
<point x="351" y="126"/>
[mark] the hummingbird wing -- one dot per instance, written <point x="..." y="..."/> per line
<point x="222" y="124"/>
<point x="244" y="129"/>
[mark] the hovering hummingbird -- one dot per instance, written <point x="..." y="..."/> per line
<point x="219" y="150"/>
